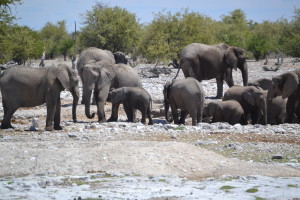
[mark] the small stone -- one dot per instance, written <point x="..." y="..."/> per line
<point x="72" y="134"/>
<point x="278" y="156"/>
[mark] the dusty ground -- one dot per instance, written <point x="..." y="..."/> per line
<point x="192" y="153"/>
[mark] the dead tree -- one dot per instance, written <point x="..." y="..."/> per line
<point x="75" y="50"/>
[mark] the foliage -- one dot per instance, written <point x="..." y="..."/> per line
<point x="168" y="33"/>
<point x="20" y="44"/>
<point x="6" y="16"/>
<point x="56" y="39"/>
<point x="114" y="29"/>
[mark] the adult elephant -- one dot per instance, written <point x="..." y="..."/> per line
<point x="92" y="54"/>
<point x="23" y="86"/>
<point x="205" y="62"/>
<point x="253" y="100"/>
<point x="287" y="86"/>
<point x="101" y="76"/>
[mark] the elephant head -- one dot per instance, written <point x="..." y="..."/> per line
<point x="166" y="92"/>
<point x="283" y="85"/>
<point x="116" y="96"/>
<point x="257" y="98"/>
<point x="120" y="57"/>
<point x="208" y="111"/>
<point x="99" y="76"/>
<point x="235" y="58"/>
<point x="69" y="80"/>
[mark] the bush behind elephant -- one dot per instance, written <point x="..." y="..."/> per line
<point x="23" y="86"/>
<point x="224" y="111"/>
<point x="100" y="77"/>
<point x="204" y="62"/>
<point x="186" y="95"/>
<point x="132" y="98"/>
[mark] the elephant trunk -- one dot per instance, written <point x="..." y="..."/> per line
<point x="244" y="71"/>
<point x="167" y="115"/>
<point x="75" y="95"/>
<point x="87" y="93"/>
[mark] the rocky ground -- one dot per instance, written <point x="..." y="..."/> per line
<point x="121" y="160"/>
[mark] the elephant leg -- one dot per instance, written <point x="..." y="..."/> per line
<point x="183" y="115"/>
<point x="100" y="111"/>
<point x="149" y="116"/>
<point x="128" y="112"/>
<point x="133" y="111"/>
<point x="194" y="118"/>
<point x="8" y="113"/>
<point x="290" y="112"/>
<point x="114" y="111"/>
<point x="57" y="116"/>
<point x="51" y="108"/>
<point x="174" y="113"/>
<point x="219" y="88"/>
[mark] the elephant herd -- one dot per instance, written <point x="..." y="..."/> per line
<point x="108" y="77"/>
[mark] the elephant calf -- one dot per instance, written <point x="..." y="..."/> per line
<point x="224" y="111"/>
<point x="186" y="95"/>
<point x="132" y="98"/>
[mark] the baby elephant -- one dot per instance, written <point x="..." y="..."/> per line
<point x="132" y="98"/>
<point x="224" y="111"/>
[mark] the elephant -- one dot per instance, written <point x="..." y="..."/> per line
<point x="224" y="111"/>
<point x="263" y="83"/>
<point x="92" y="54"/>
<point x="101" y="76"/>
<point x="186" y="95"/>
<point x="132" y="98"/>
<point x="287" y="86"/>
<point x="23" y="86"/>
<point x="120" y="57"/>
<point x="204" y="62"/>
<point x="252" y="99"/>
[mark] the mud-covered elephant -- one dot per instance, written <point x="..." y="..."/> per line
<point x="263" y="83"/>
<point x="186" y="95"/>
<point x="252" y="99"/>
<point x="132" y="98"/>
<point x="287" y="86"/>
<point x="205" y="62"/>
<point x="92" y="54"/>
<point x="23" y="86"/>
<point x="224" y="111"/>
<point x="100" y="77"/>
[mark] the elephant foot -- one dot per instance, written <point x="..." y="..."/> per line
<point x="150" y="122"/>
<point x="102" y="121"/>
<point x="49" y="128"/>
<point x="57" y="127"/>
<point x="6" y="126"/>
<point x="218" y="97"/>
<point x="112" y="119"/>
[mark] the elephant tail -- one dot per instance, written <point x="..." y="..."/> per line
<point x="175" y="65"/>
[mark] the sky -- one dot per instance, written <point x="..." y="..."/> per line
<point x="36" y="13"/>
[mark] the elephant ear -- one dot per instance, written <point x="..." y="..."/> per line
<point x="290" y="84"/>
<point x="231" y="58"/>
<point x="249" y="97"/>
<point x="107" y="75"/>
<point x="63" y="75"/>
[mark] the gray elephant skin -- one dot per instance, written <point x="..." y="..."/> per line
<point x="23" y="86"/>
<point x="287" y="86"/>
<point x="132" y="98"/>
<point x="100" y="77"/>
<point x="253" y="100"/>
<point x="186" y="95"/>
<point x="120" y="57"/>
<point x="224" y="111"/>
<point x="204" y="62"/>
<point x="263" y="83"/>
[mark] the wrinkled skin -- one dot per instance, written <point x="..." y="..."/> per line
<point x="204" y="62"/>
<point x="263" y="83"/>
<point x="253" y="100"/>
<point x="91" y="55"/>
<point x="186" y="95"/>
<point x="132" y="98"/>
<point x="23" y="86"/>
<point x="100" y="77"/>
<point x="287" y="86"/>
<point x="224" y="111"/>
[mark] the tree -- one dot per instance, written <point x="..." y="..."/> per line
<point x="55" y="38"/>
<point x="6" y="15"/>
<point x="114" y="29"/>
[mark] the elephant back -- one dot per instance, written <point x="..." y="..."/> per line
<point x="126" y="76"/>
